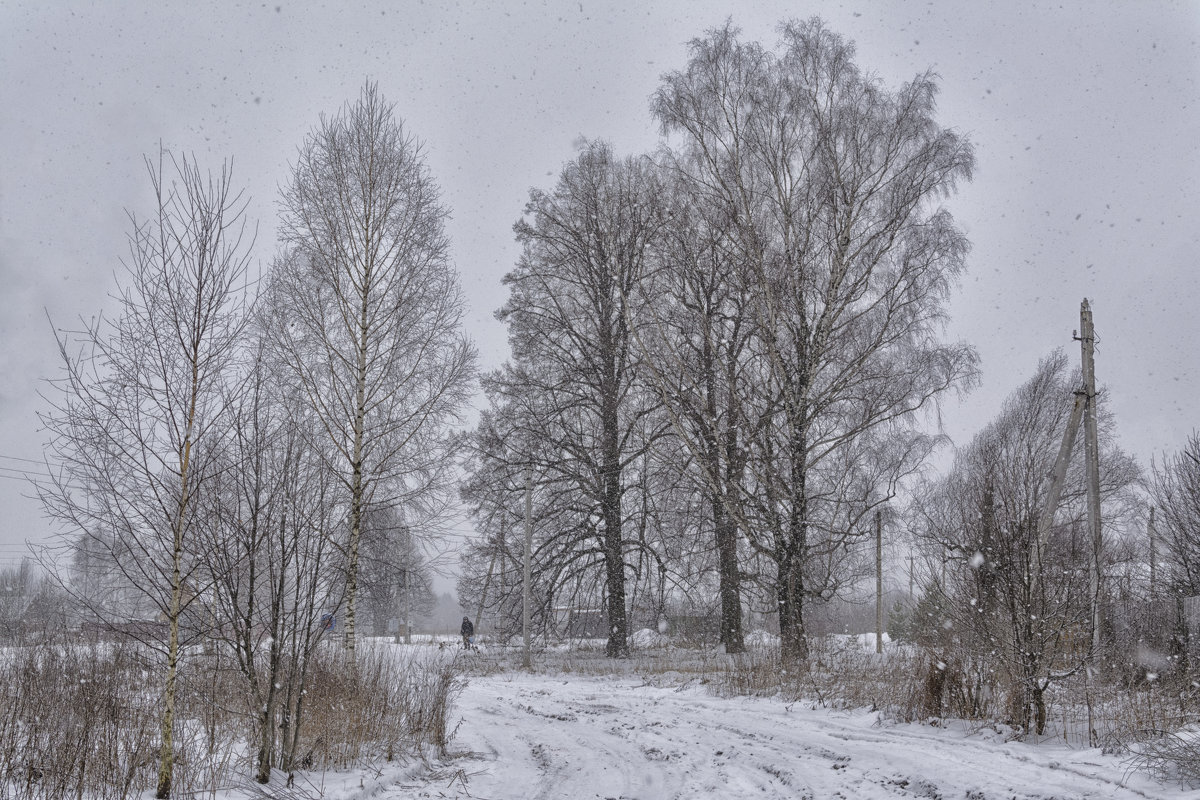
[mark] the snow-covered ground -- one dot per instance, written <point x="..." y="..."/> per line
<point x="566" y="736"/>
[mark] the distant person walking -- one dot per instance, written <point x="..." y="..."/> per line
<point x="468" y="633"/>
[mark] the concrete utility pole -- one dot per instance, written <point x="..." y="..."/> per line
<point x="878" y="581"/>
<point x="526" y="661"/>
<point x="1091" y="440"/>
<point x="1085" y="408"/>
<point x="1153" y="556"/>
<point x="1046" y="518"/>
<point x="407" y="606"/>
<point x="487" y="582"/>
<point x="399" y="605"/>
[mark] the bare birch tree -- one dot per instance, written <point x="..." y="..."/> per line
<point x="274" y="568"/>
<point x="373" y="336"/>
<point x="830" y="185"/>
<point x="138" y="414"/>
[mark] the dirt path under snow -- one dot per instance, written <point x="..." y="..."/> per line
<point x="582" y="738"/>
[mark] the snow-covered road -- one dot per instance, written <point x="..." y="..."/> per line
<point x="565" y="736"/>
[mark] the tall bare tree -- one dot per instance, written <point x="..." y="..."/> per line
<point x="829" y="184"/>
<point x="696" y="340"/>
<point x="373" y="338"/>
<point x="139" y="414"/>
<point x="586" y="247"/>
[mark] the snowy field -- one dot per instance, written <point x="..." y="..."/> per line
<point x="567" y="736"/>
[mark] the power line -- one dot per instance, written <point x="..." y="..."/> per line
<point x="29" y="478"/>
<point x="25" y="473"/>
<point x="18" y="458"/>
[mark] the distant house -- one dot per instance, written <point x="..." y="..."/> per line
<point x="694" y="628"/>
<point x="571" y="622"/>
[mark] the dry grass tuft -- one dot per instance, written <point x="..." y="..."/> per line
<point x="81" y="719"/>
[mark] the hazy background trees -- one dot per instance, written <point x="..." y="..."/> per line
<point x="396" y="582"/>
<point x="31" y="601"/>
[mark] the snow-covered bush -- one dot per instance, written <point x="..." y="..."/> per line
<point x="1173" y="757"/>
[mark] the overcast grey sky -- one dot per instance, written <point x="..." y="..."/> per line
<point x="1085" y="115"/>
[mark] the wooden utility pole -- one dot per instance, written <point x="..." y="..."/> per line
<point x="1091" y="440"/>
<point x="878" y="581"/>
<point x="526" y="661"/>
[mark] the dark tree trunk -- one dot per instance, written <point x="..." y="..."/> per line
<point x="614" y="556"/>
<point x="726" y="533"/>
<point x="730" y="580"/>
<point x="266" y="741"/>
<point x="792" y="642"/>
<point x="1039" y="709"/>
<point x="1180" y="638"/>
<point x="722" y="494"/>
<point x="793" y="645"/>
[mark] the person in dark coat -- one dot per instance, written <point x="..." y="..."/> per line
<point x="468" y="633"/>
